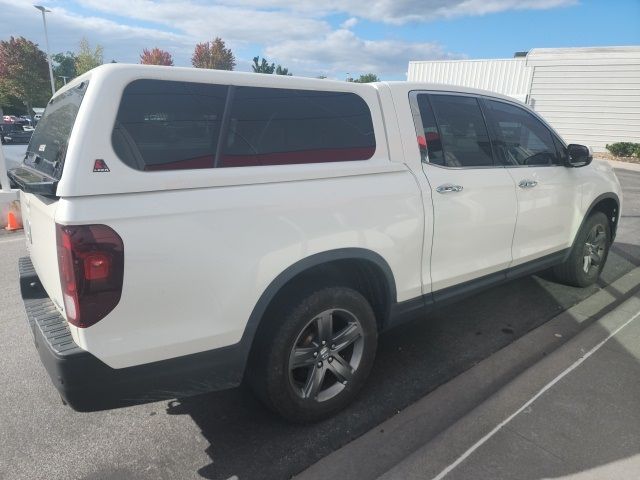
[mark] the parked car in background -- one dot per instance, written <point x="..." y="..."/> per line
<point x="205" y="227"/>
<point x="9" y="119"/>
<point x="15" y="133"/>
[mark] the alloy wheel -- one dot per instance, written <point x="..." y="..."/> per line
<point x="326" y="355"/>
<point x="594" y="248"/>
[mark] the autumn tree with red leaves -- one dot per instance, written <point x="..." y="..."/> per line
<point x="156" y="56"/>
<point x="213" y="55"/>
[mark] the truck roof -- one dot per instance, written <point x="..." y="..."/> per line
<point x="409" y="86"/>
<point x="191" y="74"/>
<point x="135" y="71"/>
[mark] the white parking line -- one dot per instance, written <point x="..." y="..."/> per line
<point x="575" y="365"/>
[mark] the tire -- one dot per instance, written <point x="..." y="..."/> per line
<point x="299" y="377"/>
<point x="588" y="254"/>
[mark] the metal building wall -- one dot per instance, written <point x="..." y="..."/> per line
<point x="509" y="76"/>
<point x="590" y="95"/>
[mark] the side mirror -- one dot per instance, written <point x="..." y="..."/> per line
<point x="578" y="155"/>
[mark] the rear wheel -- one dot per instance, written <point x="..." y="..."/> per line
<point x="589" y="253"/>
<point x="317" y="355"/>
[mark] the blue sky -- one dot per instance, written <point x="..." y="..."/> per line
<point x="332" y="37"/>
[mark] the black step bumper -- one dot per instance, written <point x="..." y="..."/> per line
<point x="88" y="384"/>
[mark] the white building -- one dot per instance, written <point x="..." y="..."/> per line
<point x="590" y="95"/>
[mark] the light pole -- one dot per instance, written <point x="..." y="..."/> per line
<point x="46" y="39"/>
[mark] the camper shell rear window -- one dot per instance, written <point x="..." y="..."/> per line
<point x="48" y="146"/>
<point x="168" y="125"/>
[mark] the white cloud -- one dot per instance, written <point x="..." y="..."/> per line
<point x="403" y="11"/>
<point x="122" y="42"/>
<point x="349" y="23"/>
<point x="341" y="52"/>
<point x="237" y="25"/>
<point x="295" y="34"/>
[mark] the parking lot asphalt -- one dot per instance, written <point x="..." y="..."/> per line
<point x="573" y="414"/>
<point x="222" y="434"/>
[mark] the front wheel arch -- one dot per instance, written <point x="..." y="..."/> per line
<point x="607" y="203"/>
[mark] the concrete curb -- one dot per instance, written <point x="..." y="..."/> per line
<point x="635" y="167"/>
<point x="403" y="438"/>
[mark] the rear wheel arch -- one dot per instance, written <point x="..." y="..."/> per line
<point x="363" y="270"/>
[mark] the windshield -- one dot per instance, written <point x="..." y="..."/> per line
<point x="48" y="145"/>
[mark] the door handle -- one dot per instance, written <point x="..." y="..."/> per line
<point x="526" y="183"/>
<point x="449" y="188"/>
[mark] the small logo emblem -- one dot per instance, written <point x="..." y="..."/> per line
<point x="100" y="166"/>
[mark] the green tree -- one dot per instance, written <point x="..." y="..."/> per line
<point x="214" y="55"/>
<point x="269" y="68"/>
<point x="87" y="57"/>
<point x="282" y="71"/>
<point x="64" y="67"/>
<point x="156" y="56"/>
<point x="24" y="75"/>
<point x="262" y="67"/>
<point x="366" y="78"/>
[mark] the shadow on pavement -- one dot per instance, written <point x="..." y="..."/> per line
<point x="248" y="441"/>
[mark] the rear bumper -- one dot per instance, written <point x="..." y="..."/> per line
<point x="88" y="384"/>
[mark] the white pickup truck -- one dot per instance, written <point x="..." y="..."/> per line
<point x="188" y="229"/>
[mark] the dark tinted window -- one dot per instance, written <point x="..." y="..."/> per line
<point x="563" y="155"/>
<point x="163" y="125"/>
<point x="465" y="141"/>
<point x="269" y="126"/>
<point x="520" y="138"/>
<point x="429" y="134"/>
<point x="48" y="146"/>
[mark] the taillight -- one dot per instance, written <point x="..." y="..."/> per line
<point x="91" y="265"/>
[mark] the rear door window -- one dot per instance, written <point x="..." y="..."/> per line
<point x="273" y="126"/>
<point x="427" y="131"/>
<point x="519" y="137"/>
<point x="48" y="145"/>
<point x="165" y="125"/>
<point x="463" y="133"/>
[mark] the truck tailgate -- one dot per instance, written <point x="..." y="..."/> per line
<point x="38" y="217"/>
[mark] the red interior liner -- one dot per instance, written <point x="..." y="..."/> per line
<point x="280" y="158"/>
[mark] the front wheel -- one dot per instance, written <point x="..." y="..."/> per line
<point x="589" y="253"/>
<point x="316" y="355"/>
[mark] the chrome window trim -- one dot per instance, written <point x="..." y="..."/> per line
<point x="482" y="167"/>
<point x="532" y="166"/>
